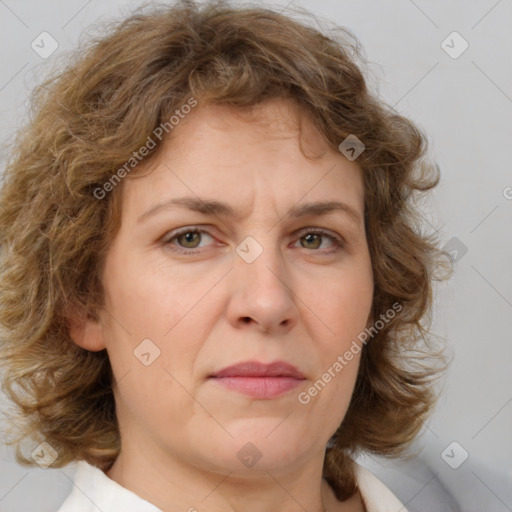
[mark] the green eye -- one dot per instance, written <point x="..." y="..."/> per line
<point x="189" y="240"/>
<point x="314" y="240"/>
<point x="186" y="240"/>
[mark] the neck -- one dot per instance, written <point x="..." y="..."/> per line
<point x="187" y="488"/>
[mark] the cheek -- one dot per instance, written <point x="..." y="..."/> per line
<point x="344" y="304"/>
<point x="155" y="330"/>
<point x="151" y="398"/>
<point x="150" y="303"/>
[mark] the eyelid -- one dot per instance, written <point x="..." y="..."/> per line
<point x="166" y="239"/>
<point x="322" y="231"/>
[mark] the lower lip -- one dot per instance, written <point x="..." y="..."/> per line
<point x="259" y="387"/>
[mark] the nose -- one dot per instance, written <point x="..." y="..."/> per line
<point x="262" y="295"/>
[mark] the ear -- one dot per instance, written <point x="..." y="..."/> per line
<point x="86" y="332"/>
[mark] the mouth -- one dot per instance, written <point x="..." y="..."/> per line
<point x="259" y="380"/>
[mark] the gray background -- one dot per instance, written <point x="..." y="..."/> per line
<point x="465" y="105"/>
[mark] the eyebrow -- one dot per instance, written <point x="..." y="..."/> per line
<point x="212" y="207"/>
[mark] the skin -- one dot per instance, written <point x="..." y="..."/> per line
<point x="303" y="300"/>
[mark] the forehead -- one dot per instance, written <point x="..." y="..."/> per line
<point x="267" y="124"/>
<point x="228" y="152"/>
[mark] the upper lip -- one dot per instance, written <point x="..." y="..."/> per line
<point x="257" y="369"/>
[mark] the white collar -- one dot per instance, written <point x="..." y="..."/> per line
<point x="376" y="496"/>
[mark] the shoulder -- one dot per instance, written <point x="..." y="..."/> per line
<point x="376" y="496"/>
<point x="93" y="490"/>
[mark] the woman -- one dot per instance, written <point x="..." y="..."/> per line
<point x="214" y="282"/>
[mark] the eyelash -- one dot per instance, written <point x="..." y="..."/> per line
<point x="338" y="243"/>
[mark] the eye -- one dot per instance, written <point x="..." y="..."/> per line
<point x="188" y="238"/>
<point x="312" y="239"/>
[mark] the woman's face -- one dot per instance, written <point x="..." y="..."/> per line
<point x="255" y="284"/>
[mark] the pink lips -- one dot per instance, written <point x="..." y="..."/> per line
<point x="259" y="380"/>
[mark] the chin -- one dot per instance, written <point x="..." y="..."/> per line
<point x="261" y="448"/>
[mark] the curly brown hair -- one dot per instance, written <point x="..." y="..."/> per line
<point x="87" y="121"/>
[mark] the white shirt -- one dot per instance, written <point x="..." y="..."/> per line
<point x="94" y="491"/>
